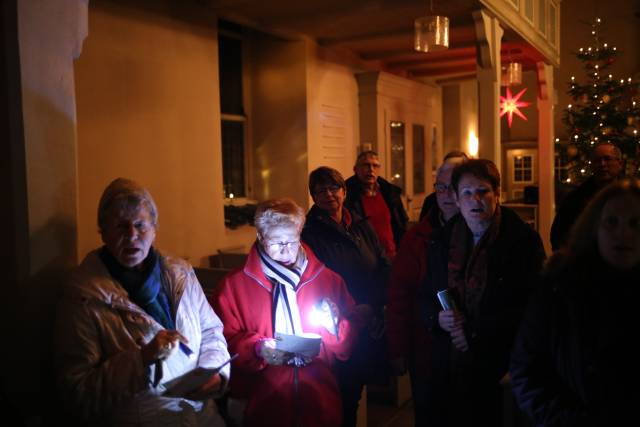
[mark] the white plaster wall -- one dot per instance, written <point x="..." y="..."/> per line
<point x="148" y="109"/>
<point x="50" y="35"/>
<point x="49" y="113"/>
<point x="279" y="118"/>
<point x="332" y="113"/>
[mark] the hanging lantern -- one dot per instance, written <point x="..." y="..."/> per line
<point x="431" y="32"/>
<point x="512" y="75"/>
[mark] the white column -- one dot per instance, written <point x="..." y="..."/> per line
<point x="489" y="37"/>
<point x="546" y="193"/>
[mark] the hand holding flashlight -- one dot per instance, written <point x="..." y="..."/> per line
<point x="327" y="315"/>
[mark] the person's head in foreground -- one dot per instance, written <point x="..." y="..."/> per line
<point x="609" y="227"/>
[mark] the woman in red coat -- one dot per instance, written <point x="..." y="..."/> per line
<point x="276" y="291"/>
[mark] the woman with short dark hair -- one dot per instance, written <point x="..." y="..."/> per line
<point x="348" y="245"/>
<point x="486" y="260"/>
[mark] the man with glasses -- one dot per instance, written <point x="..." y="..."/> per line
<point x="607" y="166"/>
<point x="454" y="157"/>
<point x="376" y="199"/>
<point x="407" y="337"/>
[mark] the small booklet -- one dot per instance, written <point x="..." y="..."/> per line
<point x="307" y="344"/>
<point x="193" y="379"/>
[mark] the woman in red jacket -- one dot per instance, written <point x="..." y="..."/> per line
<point x="280" y="286"/>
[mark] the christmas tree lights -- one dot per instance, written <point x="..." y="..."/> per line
<point x="603" y="109"/>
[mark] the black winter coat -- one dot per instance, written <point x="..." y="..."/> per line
<point x="575" y="362"/>
<point x="515" y="260"/>
<point x="355" y="254"/>
<point x="391" y="195"/>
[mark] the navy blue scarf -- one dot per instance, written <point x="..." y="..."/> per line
<point x="144" y="286"/>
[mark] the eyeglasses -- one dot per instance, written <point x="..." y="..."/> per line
<point x="333" y="189"/>
<point x="368" y="165"/>
<point x="441" y="187"/>
<point x="606" y="159"/>
<point x="279" y="246"/>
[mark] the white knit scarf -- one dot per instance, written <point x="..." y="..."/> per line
<point x="285" y="313"/>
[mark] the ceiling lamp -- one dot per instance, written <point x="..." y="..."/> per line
<point x="512" y="74"/>
<point x="431" y="32"/>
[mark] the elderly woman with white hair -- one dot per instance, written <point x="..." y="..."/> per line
<point x="274" y="294"/>
<point x="132" y="319"/>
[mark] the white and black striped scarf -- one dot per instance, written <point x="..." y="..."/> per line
<point x="285" y="314"/>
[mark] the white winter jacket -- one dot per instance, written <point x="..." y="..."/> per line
<point x="98" y="336"/>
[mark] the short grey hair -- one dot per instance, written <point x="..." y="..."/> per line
<point x="123" y="193"/>
<point x="282" y="212"/>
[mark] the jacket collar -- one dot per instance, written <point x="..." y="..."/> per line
<point x="253" y="268"/>
<point x="92" y="283"/>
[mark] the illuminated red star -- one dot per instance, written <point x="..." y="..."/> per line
<point x="510" y="105"/>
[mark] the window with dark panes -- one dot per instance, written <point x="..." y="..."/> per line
<point x="234" y="119"/>
<point x="522" y="169"/>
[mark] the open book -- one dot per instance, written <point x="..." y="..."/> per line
<point x="186" y="383"/>
<point x="307" y="344"/>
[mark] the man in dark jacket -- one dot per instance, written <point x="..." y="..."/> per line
<point x="376" y="199"/>
<point x="606" y="161"/>
<point x="452" y="157"/>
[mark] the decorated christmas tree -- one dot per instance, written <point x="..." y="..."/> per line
<point x="603" y="109"/>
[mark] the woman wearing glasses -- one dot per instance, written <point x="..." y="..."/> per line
<point x="347" y="244"/>
<point x="275" y="293"/>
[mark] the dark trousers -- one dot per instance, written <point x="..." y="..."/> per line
<point x="350" y="383"/>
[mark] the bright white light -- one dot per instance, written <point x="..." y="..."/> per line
<point x="582" y="171"/>
<point x="315" y="316"/>
<point x="231" y="196"/>
<point x="568" y="180"/>
<point x="472" y="144"/>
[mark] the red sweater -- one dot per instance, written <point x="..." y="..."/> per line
<point x="243" y="302"/>
<point x="377" y="212"/>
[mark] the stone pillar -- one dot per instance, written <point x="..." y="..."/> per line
<point x="489" y="36"/>
<point x="49" y="37"/>
<point x="546" y="161"/>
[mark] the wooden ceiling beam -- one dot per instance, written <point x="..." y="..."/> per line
<point x="443" y="71"/>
